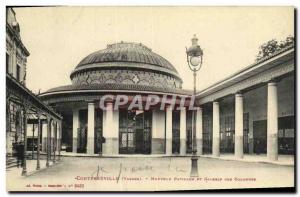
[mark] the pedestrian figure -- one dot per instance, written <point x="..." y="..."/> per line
<point x="20" y="154"/>
<point x="258" y="147"/>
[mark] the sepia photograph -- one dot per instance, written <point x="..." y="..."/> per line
<point x="150" y="98"/>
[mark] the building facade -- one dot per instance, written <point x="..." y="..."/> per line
<point x="250" y="112"/>
<point x="24" y="109"/>
<point x="130" y="69"/>
<point x="16" y="58"/>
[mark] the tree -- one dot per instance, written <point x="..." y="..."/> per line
<point x="273" y="46"/>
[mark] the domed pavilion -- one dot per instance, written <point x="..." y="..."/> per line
<point x="129" y="69"/>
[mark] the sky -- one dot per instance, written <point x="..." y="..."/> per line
<point x="58" y="38"/>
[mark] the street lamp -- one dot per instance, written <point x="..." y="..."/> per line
<point x="194" y="56"/>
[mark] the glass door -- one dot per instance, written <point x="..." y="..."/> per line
<point x="127" y="131"/>
<point x="98" y="132"/>
<point x="135" y="132"/>
<point x="175" y="132"/>
<point x="82" y="132"/>
<point x="139" y="132"/>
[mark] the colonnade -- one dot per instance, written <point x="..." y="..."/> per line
<point x="50" y="144"/>
<point x="272" y="125"/>
<point x="111" y="131"/>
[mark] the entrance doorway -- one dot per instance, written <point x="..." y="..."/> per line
<point x="98" y="132"/>
<point x="82" y="132"/>
<point x="260" y="136"/>
<point x="176" y="132"/>
<point x="286" y="133"/>
<point x="135" y="132"/>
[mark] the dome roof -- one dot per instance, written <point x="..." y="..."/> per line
<point x="127" y="52"/>
<point x="126" y="63"/>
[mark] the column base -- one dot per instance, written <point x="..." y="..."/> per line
<point x="44" y="144"/>
<point x="194" y="167"/>
<point x="90" y="145"/>
<point x="238" y="148"/>
<point x="272" y="147"/>
<point x="199" y="146"/>
<point x="111" y="146"/>
<point x="168" y="146"/>
<point x="24" y="172"/>
<point x="74" y="145"/>
<point x="216" y="147"/>
<point x="251" y="151"/>
<point x="182" y="146"/>
<point x="58" y="146"/>
<point x="158" y="146"/>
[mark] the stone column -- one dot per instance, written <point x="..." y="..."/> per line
<point x="239" y="128"/>
<point x="91" y="128"/>
<point x="183" y="131"/>
<point x="59" y="139"/>
<point x="272" y="122"/>
<point x="8" y="128"/>
<point x="39" y="125"/>
<point x="158" y="132"/>
<point x="48" y="140"/>
<point x="44" y="136"/>
<point x="75" y="129"/>
<point x="54" y="142"/>
<point x="110" y="130"/>
<point x="199" y="131"/>
<point x="169" y="130"/>
<point x="32" y="143"/>
<point x="216" y="129"/>
<point x="24" y="170"/>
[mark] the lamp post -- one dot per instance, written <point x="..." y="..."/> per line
<point x="194" y="56"/>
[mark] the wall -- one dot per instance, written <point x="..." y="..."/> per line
<point x="16" y="53"/>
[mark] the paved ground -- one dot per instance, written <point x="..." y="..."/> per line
<point x="83" y="174"/>
<point x="287" y="160"/>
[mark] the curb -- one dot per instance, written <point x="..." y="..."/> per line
<point x="250" y="161"/>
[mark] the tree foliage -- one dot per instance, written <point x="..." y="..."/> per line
<point x="273" y="46"/>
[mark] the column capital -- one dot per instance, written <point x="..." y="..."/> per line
<point x="169" y="107"/>
<point x="182" y="109"/>
<point x="199" y="108"/>
<point x="216" y="102"/>
<point x="109" y="104"/>
<point x="75" y="109"/>
<point x="272" y="83"/>
<point x="38" y="113"/>
<point x="91" y="102"/>
<point x="48" y="118"/>
<point x="274" y="80"/>
<point x="238" y="94"/>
